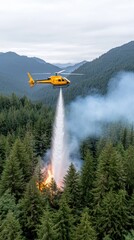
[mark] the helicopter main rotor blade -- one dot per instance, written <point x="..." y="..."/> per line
<point x="58" y="73"/>
<point x="49" y="73"/>
<point x="40" y="73"/>
<point x="76" y="74"/>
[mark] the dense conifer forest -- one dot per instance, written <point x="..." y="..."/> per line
<point x="96" y="203"/>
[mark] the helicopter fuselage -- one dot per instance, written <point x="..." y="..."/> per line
<point x="56" y="81"/>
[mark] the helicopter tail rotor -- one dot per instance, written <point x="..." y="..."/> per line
<point x="31" y="80"/>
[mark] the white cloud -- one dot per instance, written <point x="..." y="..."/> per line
<point x="62" y="30"/>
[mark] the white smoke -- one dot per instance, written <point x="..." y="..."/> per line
<point x="87" y="115"/>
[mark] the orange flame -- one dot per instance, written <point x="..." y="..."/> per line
<point x="47" y="177"/>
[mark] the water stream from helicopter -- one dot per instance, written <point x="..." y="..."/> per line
<point x="59" y="155"/>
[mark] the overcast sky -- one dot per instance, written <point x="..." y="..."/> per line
<point x="65" y="30"/>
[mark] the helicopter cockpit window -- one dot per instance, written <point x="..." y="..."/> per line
<point x="59" y="80"/>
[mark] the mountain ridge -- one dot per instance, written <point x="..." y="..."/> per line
<point x="95" y="78"/>
<point x="14" y="68"/>
<point x="96" y="74"/>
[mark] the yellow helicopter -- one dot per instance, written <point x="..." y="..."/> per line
<point x="56" y="81"/>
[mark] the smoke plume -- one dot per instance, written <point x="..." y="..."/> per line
<point x="87" y="115"/>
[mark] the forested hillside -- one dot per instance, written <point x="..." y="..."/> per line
<point x="96" y="203"/>
<point x="13" y="72"/>
<point x="96" y="74"/>
<point x="95" y="78"/>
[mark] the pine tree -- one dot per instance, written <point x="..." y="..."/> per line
<point x="129" y="168"/>
<point x="125" y="138"/>
<point x="46" y="228"/>
<point x="3" y="151"/>
<point x="107" y="238"/>
<point x="64" y="221"/>
<point x="120" y="150"/>
<point x="130" y="235"/>
<point x="30" y="210"/>
<point x="29" y="145"/>
<point x="51" y="194"/>
<point x="54" y="194"/>
<point x="39" y="174"/>
<point x="72" y="190"/>
<point x="110" y="173"/>
<point x="41" y="137"/>
<point x="85" y="230"/>
<point x="12" y="177"/>
<point x="10" y="228"/>
<point x="112" y="216"/>
<point x="23" y="157"/>
<point x="87" y="178"/>
<point x="17" y="170"/>
<point x="131" y="211"/>
<point x="132" y="136"/>
<point x="7" y="202"/>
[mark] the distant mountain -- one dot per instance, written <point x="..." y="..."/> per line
<point x="96" y="74"/>
<point x="95" y="78"/>
<point x="70" y="67"/>
<point x="63" y="65"/>
<point x="13" y="72"/>
<point x="74" y="67"/>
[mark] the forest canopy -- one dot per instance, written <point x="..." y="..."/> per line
<point x="96" y="203"/>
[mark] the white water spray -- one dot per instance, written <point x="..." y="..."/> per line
<point x="59" y="156"/>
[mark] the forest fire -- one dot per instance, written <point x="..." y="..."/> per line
<point x="49" y="178"/>
<point x="59" y="157"/>
<point x="46" y="178"/>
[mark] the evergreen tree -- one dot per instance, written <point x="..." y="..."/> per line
<point x="107" y="238"/>
<point x="125" y="138"/>
<point x="72" y="190"/>
<point x="131" y="211"/>
<point x="54" y="194"/>
<point x="7" y="202"/>
<point x="64" y="221"/>
<point x="10" y="228"/>
<point x="17" y="170"/>
<point x="46" y="228"/>
<point x="30" y="210"/>
<point x="110" y="173"/>
<point x="129" y="168"/>
<point x="112" y="216"/>
<point x="29" y="145"/>
<point x="3" y="151"/>
<point x="120" y="150"/>
<point x="130" y="235"/>
<point x="51" y="194"/>
<point x="12" y="177"/>
<point x="87" y="178"/>
<point x="41" y="137"/>
<point x="84" y="230"/>
<point x="39" y="174"/>
<point x="132" y="136"/>
<point x="23" y="157"/>
<point x="100" y="145"/>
